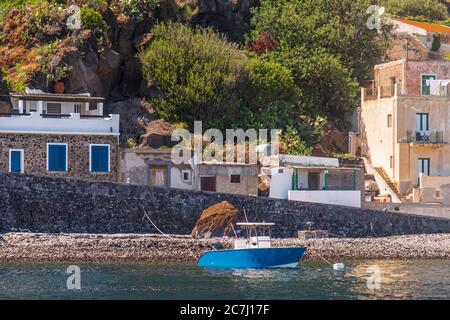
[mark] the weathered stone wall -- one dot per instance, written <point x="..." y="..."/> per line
<point x="248" y="184"/>
<point x="406" y="46"/>
<point x="385" y="73"/>
<point x="47" y="204"/>
<point x="414" y="70"/>
<point x="35" y="154"/>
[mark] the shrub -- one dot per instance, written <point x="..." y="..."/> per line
<point x="16" y="79"/>
<point x="342" y="155"/>
<point x="431" y="9"/>
<point x="46" y="19"/>
<point x="58" y="73"/>
<point x="274" y="115"/>
<point x="137" y="9"/>
<point x="198" y="73"/>
<point x="269" y="81"/>
<point x="98" y="5"/>
<point x="263" y="44"/>
<point x="7" y="5"/>
<point x="436" y="45"/>
<point x="92" y="19"/>
<point x="293" y="144"/>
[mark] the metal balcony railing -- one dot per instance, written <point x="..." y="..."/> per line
<point x="424" y="137"/>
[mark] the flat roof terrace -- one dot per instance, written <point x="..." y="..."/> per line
<point x="73" y="123"/>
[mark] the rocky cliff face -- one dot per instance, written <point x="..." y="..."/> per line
<point x="106" y="65"/>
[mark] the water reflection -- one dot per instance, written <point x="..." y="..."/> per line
<point x="399" y="280"/>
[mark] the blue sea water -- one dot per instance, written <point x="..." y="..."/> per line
<point x="411" y="279"/>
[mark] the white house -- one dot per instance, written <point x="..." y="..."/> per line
<point x="315" y="179"/>
<point x="63" y="135"/>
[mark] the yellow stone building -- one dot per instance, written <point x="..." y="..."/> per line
<point x="404" y="124"/>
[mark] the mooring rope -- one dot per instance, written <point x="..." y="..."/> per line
<point x="189" y="249"/>
<point x="312" y="251"/>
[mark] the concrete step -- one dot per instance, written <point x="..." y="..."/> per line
<point x="390" y="184"/>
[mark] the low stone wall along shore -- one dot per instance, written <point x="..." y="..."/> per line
<point x="130" y="248"/>
<point x="54" y="205"/>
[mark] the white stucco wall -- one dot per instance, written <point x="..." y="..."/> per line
<point x="309" y="161"/>
<point x="35" y="123"/>
<point x="176" y="180"/>
<point x="401" y="27"/>
<point x="351" y="198"/>
<point x="280" y="183"/>
<point x="133" y="168"/>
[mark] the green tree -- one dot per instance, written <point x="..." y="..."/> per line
<point x="338" y="26"/>
<point x="436" y="45"/>
<point x="327" y="47"/>
<point x="198" y="73"/>
<point x="268" y="82"/>
<point x="329" y="89"/>
<point x="430" y="9"/>
<point x="293" y="143"/>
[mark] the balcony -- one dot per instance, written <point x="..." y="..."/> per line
<point x="425" y="137"/>
<point x="411" y="90"/>
<point x="73" y="123"/>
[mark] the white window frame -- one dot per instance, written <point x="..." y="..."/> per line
<point x="21" y="159"/>
<point x="67" y="154"/>
<point x="90" y="156"/>
<point x="182" y="175"/>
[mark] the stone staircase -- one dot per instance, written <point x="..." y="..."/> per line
<point x="390" y="184"/>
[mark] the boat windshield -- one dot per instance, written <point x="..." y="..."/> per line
<point x="256" y="229"/>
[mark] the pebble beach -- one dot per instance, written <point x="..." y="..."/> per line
<point x="20" y="247"/>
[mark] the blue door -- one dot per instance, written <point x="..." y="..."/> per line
<point x="16" y="161"/>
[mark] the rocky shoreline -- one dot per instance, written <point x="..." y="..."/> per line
<point x="147" y="248"/>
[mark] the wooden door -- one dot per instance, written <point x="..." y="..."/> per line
<point x="208" y="183"/>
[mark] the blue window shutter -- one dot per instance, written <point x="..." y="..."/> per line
<point x="16" y="161"/>
<point x="51" y="157"/>
<point x="94" y="159"/>
<point x="57" y="157"/>
<point x="99" y="158"/>
<point x="104" y="159"/>
<point x="62" y="158"/>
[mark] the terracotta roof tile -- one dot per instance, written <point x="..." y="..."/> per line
<point x="426" y="26"/>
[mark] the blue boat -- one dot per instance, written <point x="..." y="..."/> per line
<point x="255" y="251"/>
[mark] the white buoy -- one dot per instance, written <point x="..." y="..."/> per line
<point x="338" y="266"/>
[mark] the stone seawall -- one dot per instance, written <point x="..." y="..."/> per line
<point x="47" y="204"/>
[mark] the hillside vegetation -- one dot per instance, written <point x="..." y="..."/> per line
<point x="294" y="65"/>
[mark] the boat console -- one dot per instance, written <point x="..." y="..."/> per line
<point x="257" y="235"/>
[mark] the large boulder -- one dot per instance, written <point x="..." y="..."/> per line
<point x="134" y="115"/>
<point x="158" y="133"/>
<point x="216" y="221"/>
